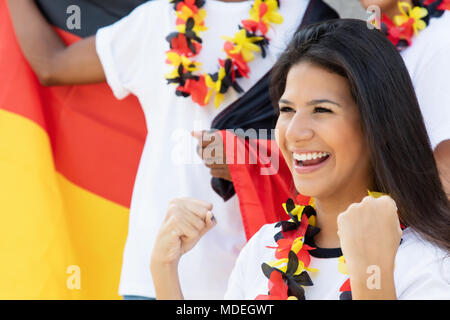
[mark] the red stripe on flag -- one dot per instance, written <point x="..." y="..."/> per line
<point x="18" y="83"/>
<point x="96" y="140"/>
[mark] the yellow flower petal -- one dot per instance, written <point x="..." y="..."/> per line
<point x="420" y="25"/>
<point x="218" y="99"/>
<point x="342" y="267"/>
<point x="174" y="58"/>
<point x="208" y="96"/>
<point x="248" y="55"/>
<point x="300" y="268"/>
<point x="173" y="74"/>
<point x="312" y="221"/>
<point x="418" y="13"/>
<point x="399" y="20"/>
<point x="275" y="17"/>
<point x="277" y="263"/>
<point x="375" y="194"/>
<point x="297" y="245"/>
<point x="181" y="28"/>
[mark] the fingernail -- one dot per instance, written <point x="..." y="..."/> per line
<point x="213" y="219"/>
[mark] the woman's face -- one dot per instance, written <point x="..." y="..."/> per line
<point x="319" y="133"/>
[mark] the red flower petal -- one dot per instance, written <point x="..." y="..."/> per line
<point x="262" y="9"/>
<point x="304" y="256"/>
<point x="197" y="89"/>
<point x="250" y="25"/>
<point x="346" y="286"/>
<point x="277" y="286"/>
<point x="302" y="200"/>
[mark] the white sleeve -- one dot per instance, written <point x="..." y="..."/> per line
<point x="423" y="272"/>
<point x="432" y="282"/>
<point x="432" y="86"/>
<point x="121" y="48"/>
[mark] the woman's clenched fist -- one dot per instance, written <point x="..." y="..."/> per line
<point x="370" y="233"/>
<point x="186" y="221"/>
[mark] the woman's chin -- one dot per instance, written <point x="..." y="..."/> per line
<point x="308" y="190"/>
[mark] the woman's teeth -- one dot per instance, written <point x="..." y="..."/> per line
<point x="310" y="156"/>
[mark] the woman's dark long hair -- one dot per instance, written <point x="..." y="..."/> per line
<point x="400" y="151"/>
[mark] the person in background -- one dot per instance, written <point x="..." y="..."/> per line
<point x="420" y="31"/>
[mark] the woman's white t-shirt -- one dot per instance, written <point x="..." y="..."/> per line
<point x="132" y="52"/>
<point x="428" y="63"/>
<point x="422" y="271"/>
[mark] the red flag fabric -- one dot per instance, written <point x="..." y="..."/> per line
<point x="261" y="178"/>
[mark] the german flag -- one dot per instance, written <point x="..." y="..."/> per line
<point x="68" y="160"/>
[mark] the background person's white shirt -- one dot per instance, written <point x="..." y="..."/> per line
<point x="422" y="271"/>
<point x="132" y="52"/>
<point x="428" y="63"/>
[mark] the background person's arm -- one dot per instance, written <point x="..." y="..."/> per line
<point x="51" y="60"/>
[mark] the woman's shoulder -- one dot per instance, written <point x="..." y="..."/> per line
<point x="415" y="244"/>
<point x="247" y="277"/>
<point x="422" y="269"/>
<point x="265" y="235"/>
<point x="257" y="250"/>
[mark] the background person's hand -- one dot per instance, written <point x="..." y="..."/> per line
<point x="186" y="221"/>
<point x="211" y="150"/>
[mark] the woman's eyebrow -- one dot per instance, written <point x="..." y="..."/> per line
<point x="286" y="102"/>
<point x="319" y="101"/>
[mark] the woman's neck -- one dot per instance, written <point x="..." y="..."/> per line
<point x="328" y="209"/>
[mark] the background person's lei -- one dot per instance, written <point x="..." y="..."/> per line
<point x="411" y="20"/>
<point x="289" y="273"/>
<point x="186" y="43"/>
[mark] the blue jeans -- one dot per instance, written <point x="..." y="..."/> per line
<point x="131" y="297"/>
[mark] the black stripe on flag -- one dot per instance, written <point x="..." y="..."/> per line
<point x="95" y="14"/>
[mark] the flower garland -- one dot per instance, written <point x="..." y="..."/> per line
<point x="186" y="43"/>
<point x="289" y="273"/>
<point x="411" y="20"/>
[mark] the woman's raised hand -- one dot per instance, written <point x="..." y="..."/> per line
<point x="370" y="235"/>
<point x="186" y="221"/>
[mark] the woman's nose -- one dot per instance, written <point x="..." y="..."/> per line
<point x="299" y="129"/>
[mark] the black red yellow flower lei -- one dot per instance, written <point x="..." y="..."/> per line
<point x="186" y="43"/>
<point x="411" y="20"/>
<point x="289" y="273"/>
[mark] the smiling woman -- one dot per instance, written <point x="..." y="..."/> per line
<point x="375" y="135"/>
<point x="349" y="122"/>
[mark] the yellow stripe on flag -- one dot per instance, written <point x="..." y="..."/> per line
<point x="98" y="229"/>
<point x="34" y="243"/>
<point x="54" y="235"/>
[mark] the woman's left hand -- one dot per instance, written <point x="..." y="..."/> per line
<point x="370" y="234"/>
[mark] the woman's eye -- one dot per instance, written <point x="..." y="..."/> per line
<point x="321" y="110"/>
<point x="286" y="109"/>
